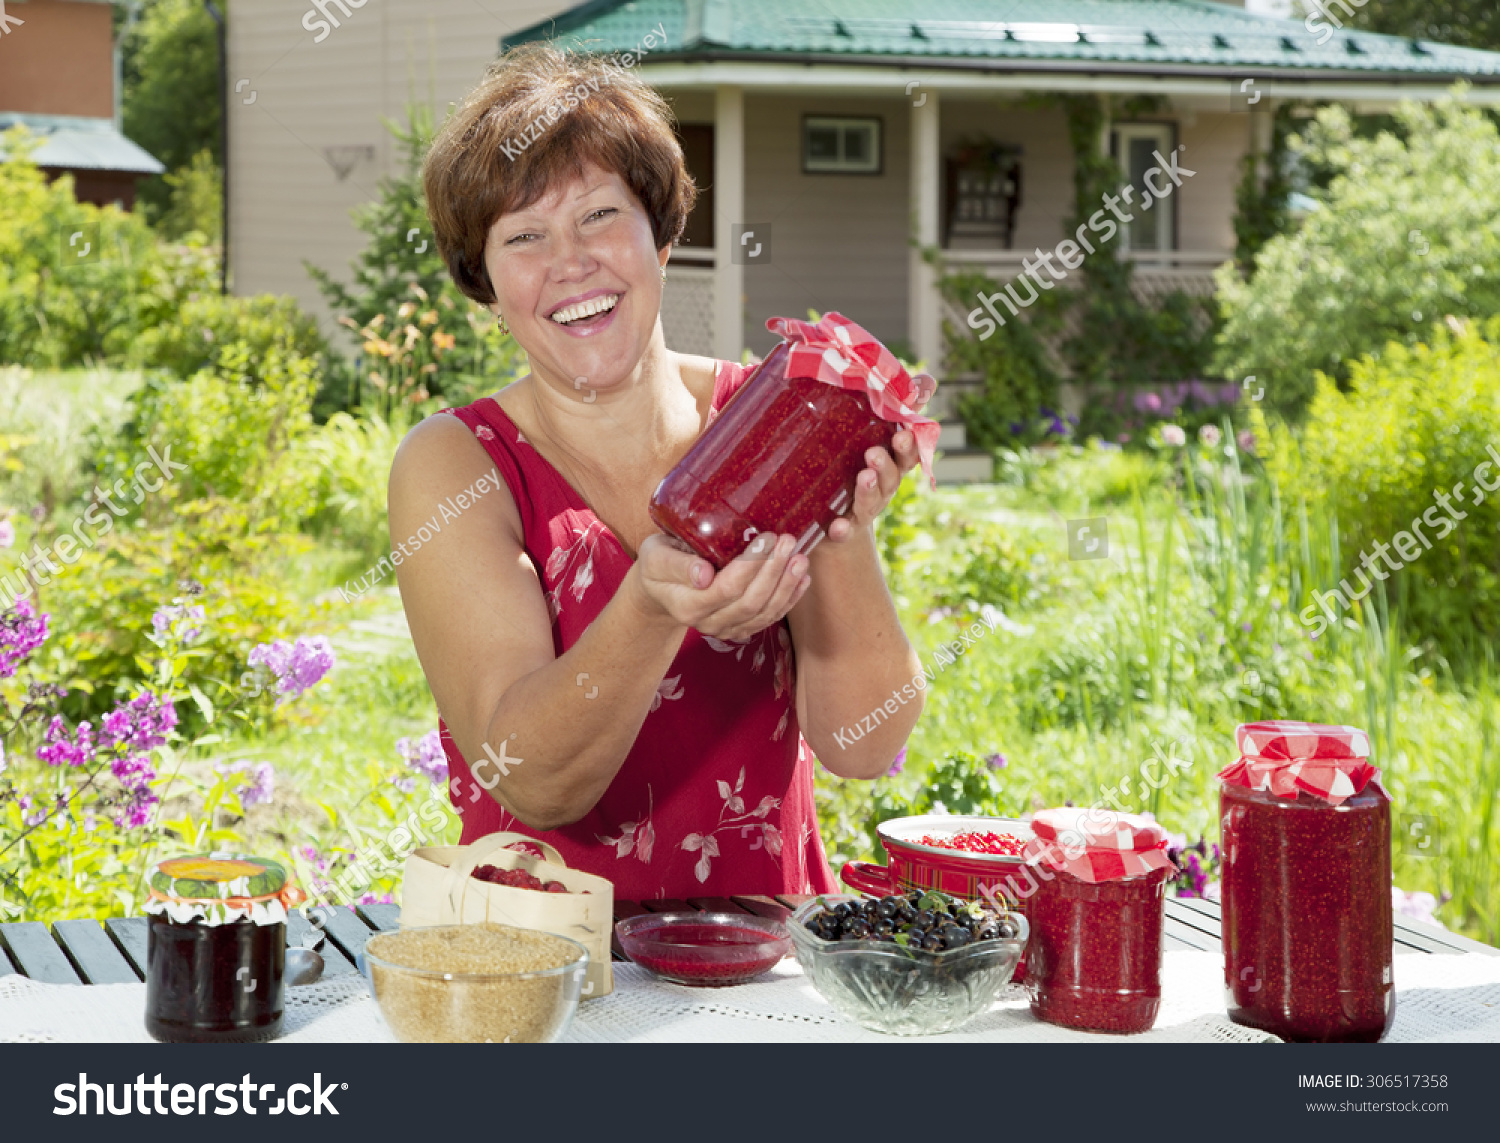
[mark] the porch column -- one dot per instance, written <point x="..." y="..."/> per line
<point x="729" y="205"/>
<point x="924" y="320"/>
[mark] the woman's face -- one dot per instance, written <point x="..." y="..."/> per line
<point x="577" y="277"/>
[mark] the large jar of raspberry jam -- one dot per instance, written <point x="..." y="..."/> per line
<point x="1306" y="839"/>
<point x="783" y="454"/>
<point x="216" y="949"/>
<point x="1094" y="959"/>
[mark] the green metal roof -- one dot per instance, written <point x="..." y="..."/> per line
<point x="1161" y="36"/>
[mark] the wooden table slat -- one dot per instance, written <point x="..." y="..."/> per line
<point x="36" y="954"/>
<point x="381" y="918"/>
<point x="344" y="929"/>
<point x="1188" y="935"/>
<point x="763" y="907"/>
<point x="1409" y="927"/>
<point x="1180" y="909"/>
<point x="6" y="968"/>
<point x="795" y="900"/>
<point x="93" y="954"/>
<point x="299" y="931"/>
<point x="1172" y="944"/>
<point x="131" y="936"/>
<point x="716" y="905"/>
<point x="669" y="905"/>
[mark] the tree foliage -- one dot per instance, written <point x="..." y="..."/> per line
<point x="1408" y="232"/>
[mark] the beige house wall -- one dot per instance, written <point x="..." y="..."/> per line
<point x="302" y="98"/>
<point x="1205" y="203"/>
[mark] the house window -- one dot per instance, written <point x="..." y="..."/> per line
<point x="1134" y="147"/>
<point x="840" y="145"/>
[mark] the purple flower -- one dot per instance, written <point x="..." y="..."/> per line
<point x="1418" y="906"/>
<point x="260" y="786"/>
<point x="996" y="761"/>
<point x="22" y="631"/>
<point x="7" y="533"/>
<point x="180" y="621"/>
<point x="898" y="765"/>
<point x="426" y="757"/>
<point x="298" y="667"/>
<point x="405" y="785"/>
<point x="1148" y="402"/>
<point x="134" y="773"/>
<point x="61" y="749"/>
<point x="1246" y="441"/>
<point x="377" y="899"/>
<point x="142" y="724"/>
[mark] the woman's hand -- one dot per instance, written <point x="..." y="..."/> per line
<point x="876" y="485"/>
<point x="751" y="593"/>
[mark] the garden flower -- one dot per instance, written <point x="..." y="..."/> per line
<point x="135" y="774"/>
<point x="1246" y="441"/>
<point x="141" y="724"/>
<point x="298" y="667"/>
<point x="65" y="750"/>
<point x="181" y="621"/>
<point x="260" y="788"/>
<point x="996" y="761"/>
<point x="1173" y="435"/>
<point x="405" y="785"/>
<point x="1418" y="906"/>
<point x="22" y="631"/>
<point x="426" y="757"/>
<point x="7" y="534"/>
<point x="898" y="765"/>
<point x="1210" y="435"/>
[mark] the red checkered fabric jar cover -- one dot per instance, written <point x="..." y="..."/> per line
<point x="1282" y="758"/>
<point x="1097" y="845"/>
<point x="840" y="352"/>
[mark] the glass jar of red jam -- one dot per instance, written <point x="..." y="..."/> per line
<point x="1307" y="926"/>
<point x="1094" y="958"/>
<point x="216" y="949"/>
<point x="783" y="454"/>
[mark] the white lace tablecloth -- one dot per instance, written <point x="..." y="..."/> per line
<point x="1439" y="999"/>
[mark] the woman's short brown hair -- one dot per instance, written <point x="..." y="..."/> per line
<point x="539" y="115"/>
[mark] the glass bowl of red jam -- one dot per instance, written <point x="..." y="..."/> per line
<point x="216" y="949"/>
<point x="1307" y="922"/>
<point x="901" y="990"/>
<point x="781" y="458"/>
<point x="1094" y="962"/>
<point x="704" y="950"/>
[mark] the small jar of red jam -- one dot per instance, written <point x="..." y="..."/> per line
<point x="782" y="456"/>
<point x="1306" y="838"/>
<point x="1094" y="959"/>
<point x="216" y="949"/>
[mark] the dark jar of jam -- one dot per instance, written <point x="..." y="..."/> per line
<point x="1307" y="885"/>
<point x="1094" y="958"/>
<point x="783" y="455"/>
<point x="216" y="949"/>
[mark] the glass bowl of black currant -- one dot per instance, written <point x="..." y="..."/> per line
<point x="914" y="964"/>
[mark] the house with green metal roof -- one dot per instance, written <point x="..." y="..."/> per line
<point x="837" y="139"/>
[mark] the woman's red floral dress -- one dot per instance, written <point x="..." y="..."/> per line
<point x="716" y="795"/>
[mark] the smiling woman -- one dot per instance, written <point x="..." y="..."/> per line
<point x="601" y="687"/>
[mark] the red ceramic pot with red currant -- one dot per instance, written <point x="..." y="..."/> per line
<point x="1094" y="959"/>
<point x="782" y="456"/>
<point x="1307" y="926"/>
<point x="973" y="858"/>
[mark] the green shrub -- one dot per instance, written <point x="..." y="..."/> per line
<point x="193" y="336"/>
<point x="1408" y="232"/>
<point x="236" y="426"/>
<point x="1415" y="422"/>
<point x="350" y="461"/>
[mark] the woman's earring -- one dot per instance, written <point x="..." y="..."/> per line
<point x="504" y="329"/>
<point x="664" y="275"/>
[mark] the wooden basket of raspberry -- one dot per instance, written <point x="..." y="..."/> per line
<point x="512" y="879"/>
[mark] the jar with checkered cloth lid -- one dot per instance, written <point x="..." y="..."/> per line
<point x="1094" y="960"/>
<point x="1306" y="838"/>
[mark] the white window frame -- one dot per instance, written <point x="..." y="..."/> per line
<point x="1163" y="136"/>
<point x="844" y="124"/>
